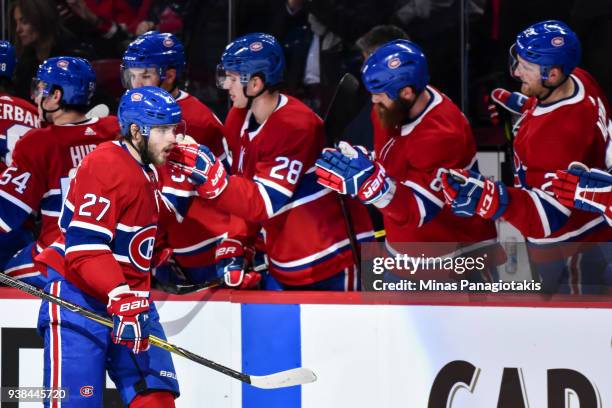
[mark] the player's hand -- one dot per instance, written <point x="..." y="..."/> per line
<point x="130" y="312"/>
<point x="199" y="164"/>
<point x="514" y="102"/>
<point x="470" y="193"/>
<point x="232" y="260"/>
<point x="349" y="170"/>
<point x="585" y="189"/>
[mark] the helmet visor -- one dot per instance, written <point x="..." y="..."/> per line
<point x="38" y="89"/>
<point x="513" y="61"/>
<point x="137" y="77"/>
<point x="178" y="130"/>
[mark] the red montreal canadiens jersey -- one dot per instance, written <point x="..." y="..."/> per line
<point x="109" y="220"/>
<point x="274" y="185"/>
<point x="39" y="174"/>
<point x="413" y="154"/>
<point x="203" y="225"/>
<point x="549" y="138"/>
<point x="17" y="116"/>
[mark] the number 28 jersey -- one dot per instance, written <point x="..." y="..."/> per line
<point x="274" y="185"/>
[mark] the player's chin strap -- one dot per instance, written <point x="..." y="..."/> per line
<point x="45" y="111"/>
<point x="551" y="88"/>
<point x="250" y="99"/>
<point x="142" y="150"/>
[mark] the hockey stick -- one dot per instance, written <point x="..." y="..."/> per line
<point x="287" y="378"/>
<point x="342" y="109"/>
<point x="98" y="111"/>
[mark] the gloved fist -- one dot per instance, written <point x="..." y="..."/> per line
<point x="349" y="170"/>
<point x="469" y="193"/>
<point x="514" y="102"/>
<point x="585" y="189"/>
<point x="199" y="164"/>
<point x="130" y="313"/>
<point x="232" y="261"/>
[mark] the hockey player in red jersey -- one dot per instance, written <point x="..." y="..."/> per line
<point x="36" y="181"/>
<point x="566" y="121"/>
<point x="157" y="59"/>
<point x="423" y="131"/>
<point x="275" y="140"/>
<point x="109" y="220"/>
<point x="17" y="116"/>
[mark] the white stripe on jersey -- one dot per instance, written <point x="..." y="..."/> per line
<point x="430" y="196"/>
<point x="16" y="201"/>
<point x="87" y="247"/>
<point x="569" y="234"/>
<point x="320" y="254"/>
<point x="199" y="244"/>
<point x="53" y="191"/>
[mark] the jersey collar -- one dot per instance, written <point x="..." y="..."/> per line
<point x="575" y="98"/>
<point x="435" y="100"/>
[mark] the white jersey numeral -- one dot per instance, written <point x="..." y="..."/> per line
<point x="21" y="180"/>
<point x="92" y="199"/>
<point x="293" y="174"/>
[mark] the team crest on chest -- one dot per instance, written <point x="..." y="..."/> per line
<point x="141" y="246"/>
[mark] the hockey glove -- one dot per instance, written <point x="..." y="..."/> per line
<point x="130" y="312"/>
<point x="199" y="164"/>
<point x="470" y="193"/>
<point x="585" y="189"/>
<point x="348" y="170"/>
<point x="232" y="261"/>
<point x="514" y="102"/>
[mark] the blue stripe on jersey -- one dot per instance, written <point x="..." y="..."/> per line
<point x="52" y="202"/>
<point x="431" y="209"/>
<point x="65" y="218"/>
<point x="554" y="214"/>
<point x="307" y="186"/>
<point x="180" y="204"/>
<point x="11" y="214"/>
<point x="85" y="236"/>
<point x="263" y="353"/>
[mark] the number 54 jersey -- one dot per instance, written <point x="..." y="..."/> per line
<point x="274" y="185"/>
<point x="37" y="179"/>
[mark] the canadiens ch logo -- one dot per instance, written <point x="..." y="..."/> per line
<point x="86" y="391"/>
<point x="256" y="46"/>
<point x="557" y="41"/>
<point x="141" y="248"/>
<point x="394" y="63"/>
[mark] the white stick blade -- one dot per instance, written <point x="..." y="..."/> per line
<point x="288" y="378"/>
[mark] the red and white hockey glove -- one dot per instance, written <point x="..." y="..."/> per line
<point x="470" y="193"/>
<point x="349" y="170"/>
<point x="585" y="189"/>
<point x="199" y="164"/>
<point x="130" y="312"/>
<point x="514" y="102"/>
<point x="232" y="260"/>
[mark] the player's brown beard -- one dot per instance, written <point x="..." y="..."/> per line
<point x="395" y="115"/>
